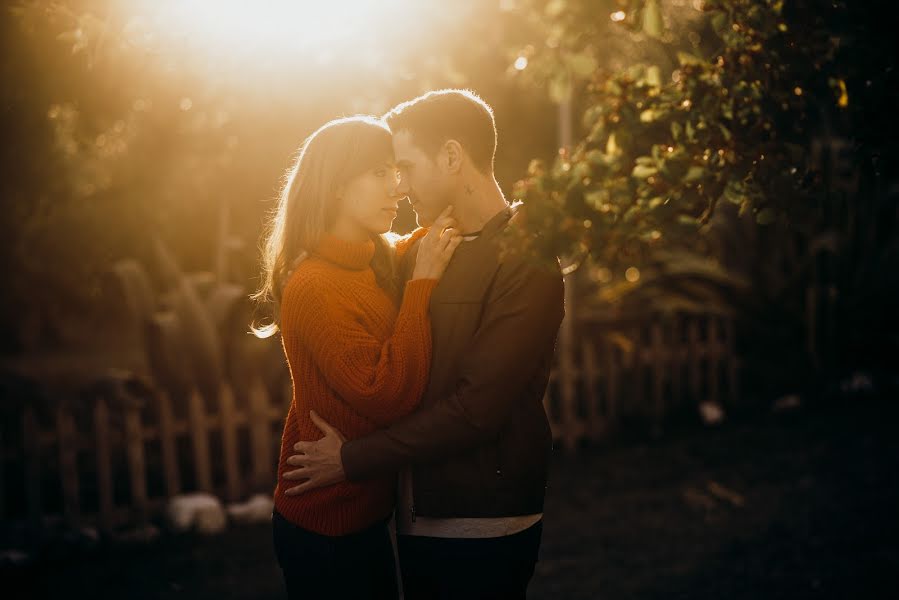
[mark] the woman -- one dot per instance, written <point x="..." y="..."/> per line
<point x="358" y="350"/>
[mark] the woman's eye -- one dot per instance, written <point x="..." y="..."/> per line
<point x="380" y="172"/>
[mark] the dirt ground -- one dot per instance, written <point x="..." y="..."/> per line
<point x="796" y="505"/>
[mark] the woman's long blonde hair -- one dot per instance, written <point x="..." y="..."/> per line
<point x="334" y="154"/>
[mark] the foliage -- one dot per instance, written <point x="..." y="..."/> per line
<point x="756" y="149"/>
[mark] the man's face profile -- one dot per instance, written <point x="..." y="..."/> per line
<point x="420" y="179"/>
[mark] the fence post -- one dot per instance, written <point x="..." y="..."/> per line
<point x="167" y="444"/>
<point x="68" y="463"/>
<point x="694" y="357"/>
<point x="134" y="449"/>
<point x="658" y="358"/>
<point x="589" y="376"/>
<point x="229" y="441"/>
<point x="31" y="438"/>
<point x="613" y="374"/>
<point x="713" y="351"/>
<point x="677" y="353"/>
<point x="199" y="440"/>
<point x="567" y="371"/>
<point x="260" y="433"/>
<point x="732" y="375"/>
<point x="637" y="364"/>
<point x="104" y="465"/>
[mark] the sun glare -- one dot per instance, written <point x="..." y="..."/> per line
<point x="279" y="26"/>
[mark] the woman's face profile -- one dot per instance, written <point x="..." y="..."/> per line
<point x="371" y="199"/>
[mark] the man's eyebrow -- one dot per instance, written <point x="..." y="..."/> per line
<point x="403" y="162"/>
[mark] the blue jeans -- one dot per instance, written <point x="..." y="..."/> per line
<point x="358" y="565"/>
<point x="445" y="568"/>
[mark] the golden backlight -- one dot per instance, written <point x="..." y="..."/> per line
<point x="284" y="30"/>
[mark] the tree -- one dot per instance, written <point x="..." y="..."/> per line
<point x="778" y="110"/>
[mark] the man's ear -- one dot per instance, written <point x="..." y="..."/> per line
<point x="453" y="155"/>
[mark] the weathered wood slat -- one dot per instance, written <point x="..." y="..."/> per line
<point x="168" y="443"/>
<point x="613" y="374"/>
<point x="137" y="470"/>
<point x="567" y="383"/>
<point x="33" y="503"/>
<point x="199" y="440"/>
<point x="732" y="362"/>
<point x="104" y="465"/>
<point x="260" y="434"/>
<point x="714" y="361"/>
<point x="595" y="379"/>
<point x="659" y="358"/>
<point x="590" y="372"/>
<point x="694" y="359"/>
<point x="68" y="463"/>
<point x="229" y="442"/>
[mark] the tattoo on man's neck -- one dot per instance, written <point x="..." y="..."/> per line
<point x="469" y="190"/>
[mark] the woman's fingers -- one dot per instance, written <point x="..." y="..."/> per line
<point x="444" y="220"/>
<point x="442" y="227"/>
<point x="448" y="245"/>
<point x="446" y="212"/>
<point x="449" y="232"/>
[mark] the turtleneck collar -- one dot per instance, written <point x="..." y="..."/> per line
<point x="349" y="255"/>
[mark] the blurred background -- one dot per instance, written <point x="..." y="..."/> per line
<point x="718" y="176"/>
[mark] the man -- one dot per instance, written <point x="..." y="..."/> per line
<point x="473" y="458"/>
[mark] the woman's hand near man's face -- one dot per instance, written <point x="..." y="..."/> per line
<point x="437" y="247"/>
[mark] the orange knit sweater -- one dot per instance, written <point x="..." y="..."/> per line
<point x="358" y="361"/>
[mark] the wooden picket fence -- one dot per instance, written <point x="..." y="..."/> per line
<point x="614" y="369"/>
<point x="108" y="461"/>
<point x="93" y="464"/>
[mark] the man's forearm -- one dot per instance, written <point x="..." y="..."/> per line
<point x="515" y="340"/>
<point x="421" y="437"/>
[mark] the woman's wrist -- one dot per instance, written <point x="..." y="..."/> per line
<point x="419" y="289"/>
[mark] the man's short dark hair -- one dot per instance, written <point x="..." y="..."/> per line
<point x="442" y="115"/>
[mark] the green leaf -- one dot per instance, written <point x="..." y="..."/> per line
<point x="734" y="191"/>
<point x="694" y="173"/>
<point x="719" y="22"/>
<point x="595" y="199"/>
<point x="685" y="58"/>
<point x="643" y="171"/>
<point x="630" y="214"/>
<point x="654" y="76"/>
<point x="652" y="19"/>
<point x="650" y="114"/>
<point x="581" y="169"/>
<point x="766" y="216"/>
<point x="612" y="148"/>
<point x="596" y="157"/>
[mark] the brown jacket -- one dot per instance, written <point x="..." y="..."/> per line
<point x="479" y="443"/>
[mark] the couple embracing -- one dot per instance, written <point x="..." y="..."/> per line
<point x="419" y="363"/>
